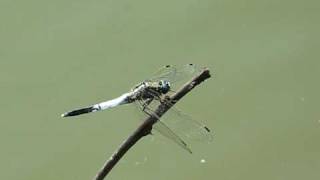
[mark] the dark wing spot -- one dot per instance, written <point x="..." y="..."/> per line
<point x="206" y="128"/>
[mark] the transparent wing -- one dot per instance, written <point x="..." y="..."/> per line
<point x="161" y="127"/>
<point x="187" y="127"/>
<point x="177" y="125"/>
<point x="175" y="75"/>
<point x="184" y="125"/>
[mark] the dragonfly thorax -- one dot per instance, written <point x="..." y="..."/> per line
<point x="149" y="89"/>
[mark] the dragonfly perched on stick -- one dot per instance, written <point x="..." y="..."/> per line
<point x="151" y="93"/>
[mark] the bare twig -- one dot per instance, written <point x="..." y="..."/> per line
<point x="146" y="127"/>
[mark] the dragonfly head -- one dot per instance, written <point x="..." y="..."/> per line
<point x="164" y="86"/>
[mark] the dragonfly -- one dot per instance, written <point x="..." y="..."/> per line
<point x="149" y="94"/>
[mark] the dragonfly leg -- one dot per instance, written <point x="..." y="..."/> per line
<point x="156" y="95"/>
<point x="146" y="103"/>
<point x="145" y="107"/>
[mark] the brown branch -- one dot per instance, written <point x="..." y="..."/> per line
<point x="146" y="127"/>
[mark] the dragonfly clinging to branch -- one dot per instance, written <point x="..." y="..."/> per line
<point x="151" y="93"/>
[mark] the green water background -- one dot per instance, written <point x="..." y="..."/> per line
<point x="262" y="102"/>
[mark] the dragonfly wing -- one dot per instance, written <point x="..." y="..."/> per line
<point x="168" y="133"/>
<point x="187" y="127"/>
<point x="175" y="75"/>
<point x="161" y="127"/>
<point x="167" y="72"/>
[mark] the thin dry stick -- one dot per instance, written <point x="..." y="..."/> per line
<point x="146" y="127"/>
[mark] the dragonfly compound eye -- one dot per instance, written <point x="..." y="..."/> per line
<point x="164" y="86"/>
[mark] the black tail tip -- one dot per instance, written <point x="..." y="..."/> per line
<point x="78" y="112"/>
